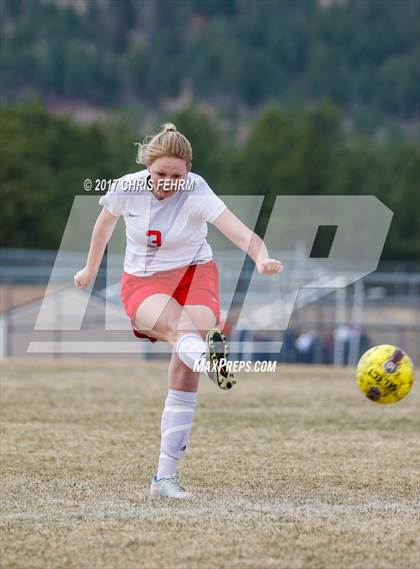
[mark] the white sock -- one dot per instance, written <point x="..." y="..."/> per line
<point x="176" y="425"/>
<point x="190" y="347"/>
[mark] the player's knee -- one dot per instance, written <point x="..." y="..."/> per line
<point x="177" y="327"/>
<point x="172" y="329"/>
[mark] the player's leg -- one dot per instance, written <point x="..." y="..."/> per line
<point x="201" y="299"/>
<point x="202" y="317"/>
<point x="176" y="424"/>
<point x="160" y="315"/>
<point x="180" y="403"/>
<point x="163" y="317"/>
<point x="181" y="400"/>
<point x="217" y="347"/>
<point x="181" y="376"/>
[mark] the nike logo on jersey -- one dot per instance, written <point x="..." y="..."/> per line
<point x="133" y="215"/>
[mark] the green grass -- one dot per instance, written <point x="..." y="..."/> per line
<point x="291" y="470"/>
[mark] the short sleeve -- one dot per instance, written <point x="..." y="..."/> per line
<point x="206" y="204"/>
<point x="112" y="200"/>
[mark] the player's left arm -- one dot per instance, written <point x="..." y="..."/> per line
<point x="237" y="232"/>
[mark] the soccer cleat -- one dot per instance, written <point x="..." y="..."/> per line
<point x="168" y="487"/>
<point x="218" y="350"/>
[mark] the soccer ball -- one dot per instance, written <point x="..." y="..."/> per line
<point x="385" y="374"/>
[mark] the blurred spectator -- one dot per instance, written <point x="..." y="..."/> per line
<point x="306" y="345"/>
<point x="289" y="352"/>
<point x="327" y="347"/>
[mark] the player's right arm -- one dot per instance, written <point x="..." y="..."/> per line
<point x="101" y="234"/>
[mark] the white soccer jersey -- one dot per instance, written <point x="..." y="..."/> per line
<point x="163" y="234"/>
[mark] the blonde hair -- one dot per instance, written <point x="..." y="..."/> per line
<point x="167" y="142"/>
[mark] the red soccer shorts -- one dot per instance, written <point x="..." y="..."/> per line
<point x="195" y="284"/>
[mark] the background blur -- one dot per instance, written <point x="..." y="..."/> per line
<point x="292" y="97"/>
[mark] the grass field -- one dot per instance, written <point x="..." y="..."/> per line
<point x="292" y="470"/>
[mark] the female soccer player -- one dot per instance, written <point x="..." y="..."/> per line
<point x="169" y="285"/>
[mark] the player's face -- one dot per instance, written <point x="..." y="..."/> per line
<point x="166" y="172"/>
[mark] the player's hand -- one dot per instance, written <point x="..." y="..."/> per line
<point x="269" y="267"/>
<point x="83" y="278"/>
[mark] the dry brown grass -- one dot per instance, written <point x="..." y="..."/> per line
<point x="292" y="470"/>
